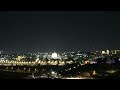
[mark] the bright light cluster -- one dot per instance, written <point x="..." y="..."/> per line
<point x="54" y="55"/>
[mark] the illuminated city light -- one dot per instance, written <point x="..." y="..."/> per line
<point x="54" y="55"/>
<point x="75" y="62"/>
<point x="74" y="67"/>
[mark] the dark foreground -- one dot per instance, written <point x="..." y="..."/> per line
<point x="16" y="75"/>
<point x="12" y="75"/>
<point x="104" y="71"/>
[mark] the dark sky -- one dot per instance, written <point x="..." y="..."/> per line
<point x="32" y="31"/>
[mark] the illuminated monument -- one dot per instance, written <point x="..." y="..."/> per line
<point x="54" y="55"/>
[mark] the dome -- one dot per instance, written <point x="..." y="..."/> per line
<point x="54" y="55"/>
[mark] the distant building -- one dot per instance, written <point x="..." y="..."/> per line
<point x="103" y="52"/>
<point x="115" y="51"/>
<point x="106" y="52"/>
<point x="55" y="56"/>
<point x="19" y="58"/>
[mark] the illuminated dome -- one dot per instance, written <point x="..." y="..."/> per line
<point x="54" y="55"/>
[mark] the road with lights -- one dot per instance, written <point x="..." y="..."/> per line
<point x="33" y="63"/>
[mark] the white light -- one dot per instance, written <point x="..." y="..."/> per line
<point x="119" y="59"/>
<point x="53" y="72"/>
<point x="74" y="67"/>
<point x="70" y="69"/>
<point x="54" y="55"/>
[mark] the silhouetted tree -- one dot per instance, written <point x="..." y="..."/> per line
<point x="99" y="60"/>
<point x="104" y="60"/>
<point x="116" y="60"/>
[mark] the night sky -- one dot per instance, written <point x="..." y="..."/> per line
<point x="48" y="31"/>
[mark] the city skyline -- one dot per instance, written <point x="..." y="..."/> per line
<point x="48" y="31"/>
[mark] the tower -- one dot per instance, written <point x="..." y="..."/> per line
<point x="107" y="52"/>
